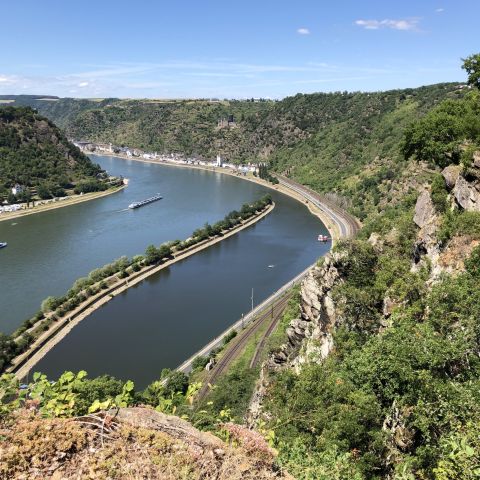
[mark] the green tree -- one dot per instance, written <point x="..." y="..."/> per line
<point x="471" y="65"/>
<point x="152" y="255"/>
<point x="43" y="192"/>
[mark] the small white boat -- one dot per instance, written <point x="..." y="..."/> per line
<point x="323" y="238"/>
<point x="3" y="244"/>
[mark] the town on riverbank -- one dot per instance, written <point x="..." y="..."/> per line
<point x="171" y="158"/>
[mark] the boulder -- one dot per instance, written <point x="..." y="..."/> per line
<point x="466" y="195"/>
<point x="450" y="174"/>
<point x="424" y="210"/>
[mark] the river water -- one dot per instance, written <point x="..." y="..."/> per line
<point x="165" y="319"/>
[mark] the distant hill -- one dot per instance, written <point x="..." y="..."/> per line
<point x="34" y="152"/>
<point x="345" y="143"/>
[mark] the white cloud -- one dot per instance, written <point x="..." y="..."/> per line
<point x="303" y="31"/>
<point x="402" y="24"/>
<point x="7" y="80"/>
<point x="83" y="84"/>
<point x="440" y="10"/>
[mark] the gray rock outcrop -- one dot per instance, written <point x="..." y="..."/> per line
<point x="424" y="210"/>
<point x="427" y="244"/>
<point x="467" y="194"/>
<point x="450" y="174"/>
<point x="310" y="335"/>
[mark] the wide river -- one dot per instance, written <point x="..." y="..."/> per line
<point x="165" y="319"/>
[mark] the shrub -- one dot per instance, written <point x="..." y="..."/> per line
<point x="472" y="264"/>
<point x="229" y="336"/>
<point x="439" y="193"/>
<point x="199" y="362"/>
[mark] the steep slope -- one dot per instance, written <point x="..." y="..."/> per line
<point x="345" y="143"/>
<point x="379" y="375"/>
<point x="33" y="152"/>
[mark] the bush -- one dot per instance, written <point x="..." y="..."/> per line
<point x="472" y="264"/>
<point x="136" y="267"/>
<point x="200" y="362"/>
<point x="229" y="336"/>
<point x="177" y="382"/>
<point x="439" y="193"/>
<point x="459" y="223"/>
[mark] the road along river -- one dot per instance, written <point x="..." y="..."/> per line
<point x="164" y="320"/>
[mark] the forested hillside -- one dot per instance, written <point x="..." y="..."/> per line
<point x="35" y="153"/>
<point x="346" y="143"/>
<point x="379" y="375"/>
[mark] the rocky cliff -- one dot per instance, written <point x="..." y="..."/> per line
<point x="309" y="337"/>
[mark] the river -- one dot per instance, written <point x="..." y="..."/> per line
<point x="165" y="319"/>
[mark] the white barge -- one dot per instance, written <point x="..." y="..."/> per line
<point x="145" y="202"/>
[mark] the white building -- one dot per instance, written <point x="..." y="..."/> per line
<point x="219" y="161"/>
<point x="17" y="189"/>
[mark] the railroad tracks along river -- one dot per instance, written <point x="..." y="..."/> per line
<point x="274" y="306"/>
<point x="271" y="313"/>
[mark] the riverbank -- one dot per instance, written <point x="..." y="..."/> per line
<point x="330" y="224"/>
<point x="23" y="363"/>
<point x="64" y="202"/>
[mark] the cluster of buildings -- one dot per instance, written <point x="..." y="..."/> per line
<point x="174" y="158"/>
<point x="10" y="208"/>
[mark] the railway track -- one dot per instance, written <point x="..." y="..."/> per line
<point x="348" y="225"/>
<point x="235" y="348"/>
<point x="261" y="345"/>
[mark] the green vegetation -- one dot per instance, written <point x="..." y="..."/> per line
<point x="36" y="155"/>
<point x="398" y="396"/>
<point x="472" y="66"/>
<point x="349" y="144"/>
<point x="450" y="132"/>
<point x="377" y="395"/>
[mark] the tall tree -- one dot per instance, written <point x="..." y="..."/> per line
<point x="471" y="65"/>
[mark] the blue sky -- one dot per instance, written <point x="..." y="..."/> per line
<point x="224" y="49"/>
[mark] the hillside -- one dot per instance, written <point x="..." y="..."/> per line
<point x="36" y="154"/>
<point x="373" y="372"/>
<point x="345" y="143"/>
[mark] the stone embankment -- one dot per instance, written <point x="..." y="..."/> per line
<point x="24" y="362"/>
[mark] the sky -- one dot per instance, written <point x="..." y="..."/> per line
<point x="228" y="49"/>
